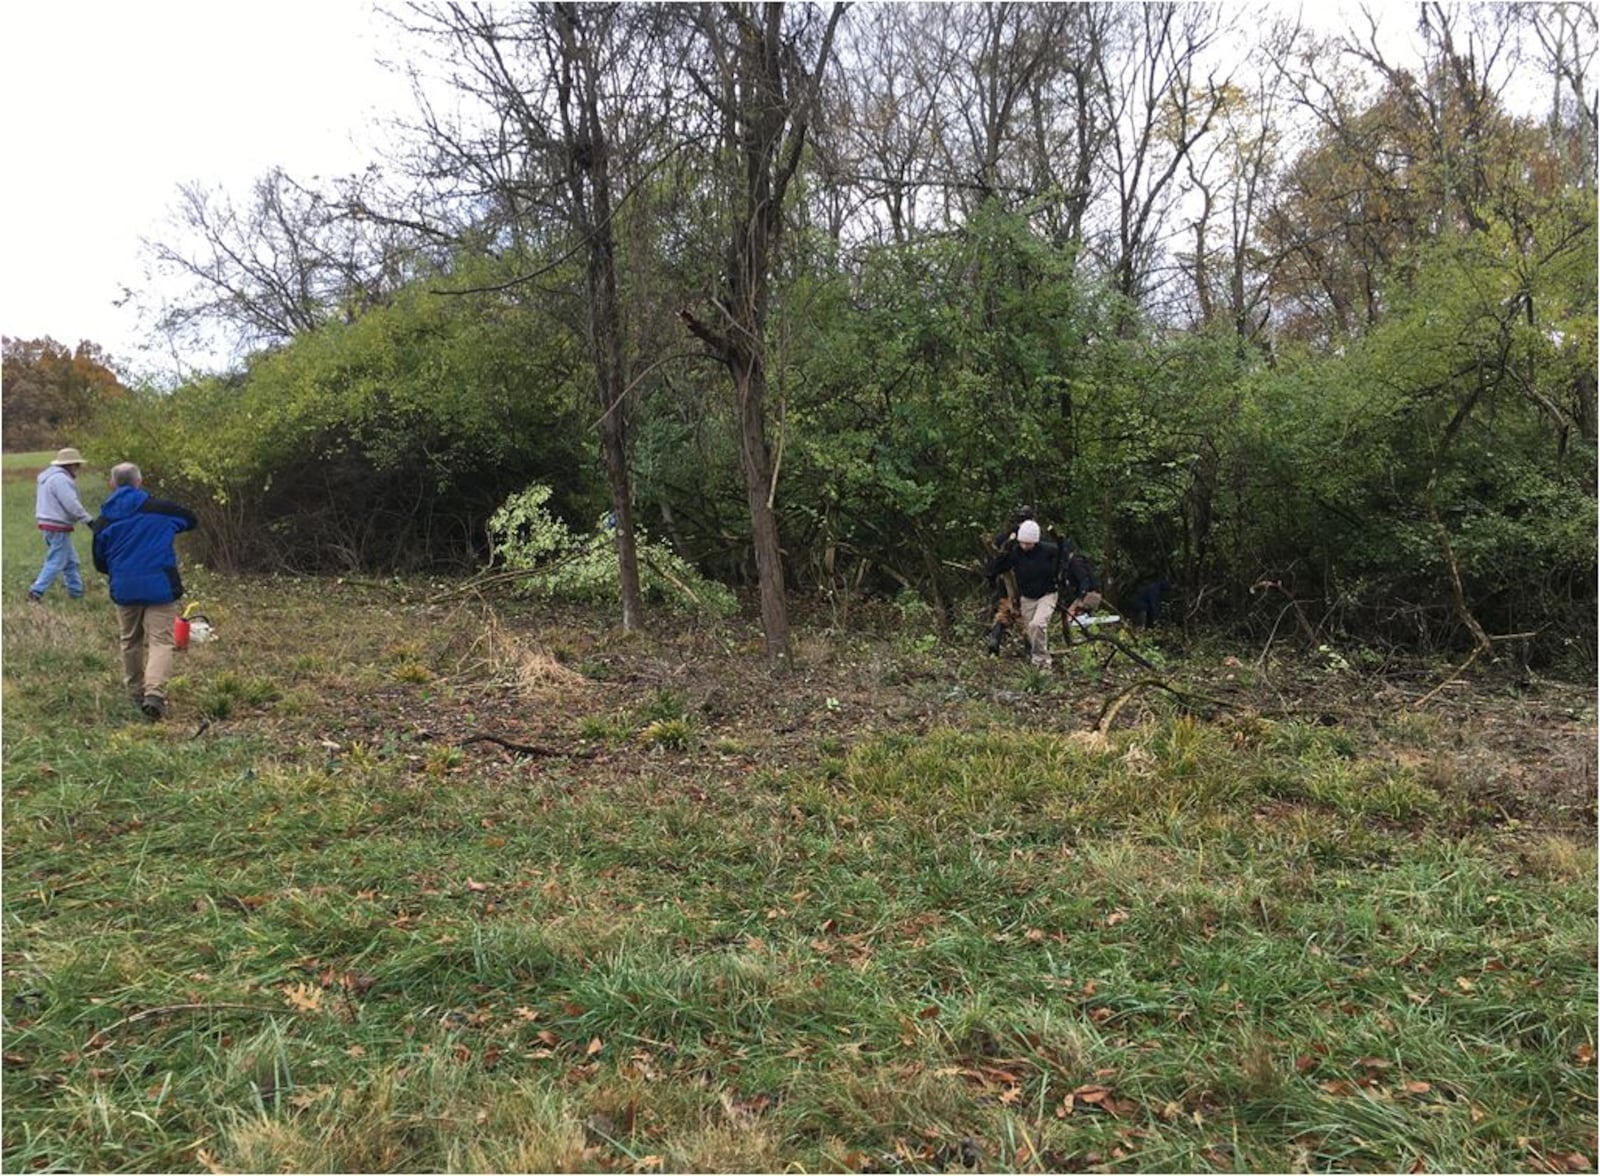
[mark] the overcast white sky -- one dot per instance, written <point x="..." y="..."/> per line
<point x="110" y="106"/>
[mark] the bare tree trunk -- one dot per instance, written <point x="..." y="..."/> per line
<point x="766" y="99"/>
<point x="1458" y="592"/>
<point x="589" y="180"/>
<point x="756" y="461"/>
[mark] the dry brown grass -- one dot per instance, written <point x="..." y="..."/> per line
<point x="499" y="653"/>
<point x="538" y="673"/>
<point x="1559" y="859"/>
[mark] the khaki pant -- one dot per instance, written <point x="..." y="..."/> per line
<point x="145" y="634"/>
<point x="1036" y="614"/>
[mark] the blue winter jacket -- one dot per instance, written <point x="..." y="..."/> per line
<point x="133" y="544"/>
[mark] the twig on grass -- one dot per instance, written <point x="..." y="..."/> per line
<point x="1464" y="666"/>
<point x="100" y="1037"/>
<point x="504" y="576"/>
<point x="1461" y="669"/>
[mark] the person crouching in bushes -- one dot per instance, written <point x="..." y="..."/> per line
<point x="1034" y="565"/>
<point x="1081" y="582"/>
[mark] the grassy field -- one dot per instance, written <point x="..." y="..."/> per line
<point x="416" y="881"/>
<point x="17" y="464"/>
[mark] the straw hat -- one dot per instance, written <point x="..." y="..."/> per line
<point x="68" y="457"/>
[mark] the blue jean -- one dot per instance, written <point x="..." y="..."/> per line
<point x="60" y="559"/>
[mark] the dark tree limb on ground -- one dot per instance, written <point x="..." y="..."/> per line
<point x="1190" y="698"/>
<point x="1106" y="639"/>
<point x="1489" y="640"/>
<point x="1108" y="713"/>
<point x="521" y="748"/>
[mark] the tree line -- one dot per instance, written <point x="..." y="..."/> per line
<point x="820" y="293"/>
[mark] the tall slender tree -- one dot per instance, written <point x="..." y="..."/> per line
<point x="1161" y="103"/>
<point x="555" y="87"/>
<point x="765" y="72"/>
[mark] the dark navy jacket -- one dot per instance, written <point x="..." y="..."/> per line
<point x="133" y="545"/>
<point x="1079" y="576"/>
<point x="1035" y="570"/>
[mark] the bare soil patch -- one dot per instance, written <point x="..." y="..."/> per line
<point x="521" y="687"/>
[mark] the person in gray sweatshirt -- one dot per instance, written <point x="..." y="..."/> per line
<point x="57" y="509"/>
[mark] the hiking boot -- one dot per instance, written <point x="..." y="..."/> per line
<point x="996" y="635"/>
<point x="35" y="598"/>
<point x="155" y="709"/>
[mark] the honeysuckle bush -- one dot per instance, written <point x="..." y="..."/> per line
<point x="566" y="565"/>
<point x="382" y="443"/>
<point x="919" y="399"/>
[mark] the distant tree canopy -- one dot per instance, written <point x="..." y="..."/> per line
<point x="48" y="391"/>
<point x="851" y="284"/>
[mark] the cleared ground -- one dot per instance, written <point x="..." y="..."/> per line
<point x="414" y="880"/>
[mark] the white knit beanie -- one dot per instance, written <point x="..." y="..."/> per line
<point x="1028" y="532"/>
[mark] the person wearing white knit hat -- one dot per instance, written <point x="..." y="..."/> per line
<point x="1034" y="563"/>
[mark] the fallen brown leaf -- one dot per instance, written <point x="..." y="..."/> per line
<point x="305" y="997"/>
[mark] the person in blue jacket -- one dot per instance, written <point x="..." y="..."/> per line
<point x="134" y="545"/>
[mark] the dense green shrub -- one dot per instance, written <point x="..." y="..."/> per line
<point x="917" y="398"/>
<point x="382" y="444"/>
